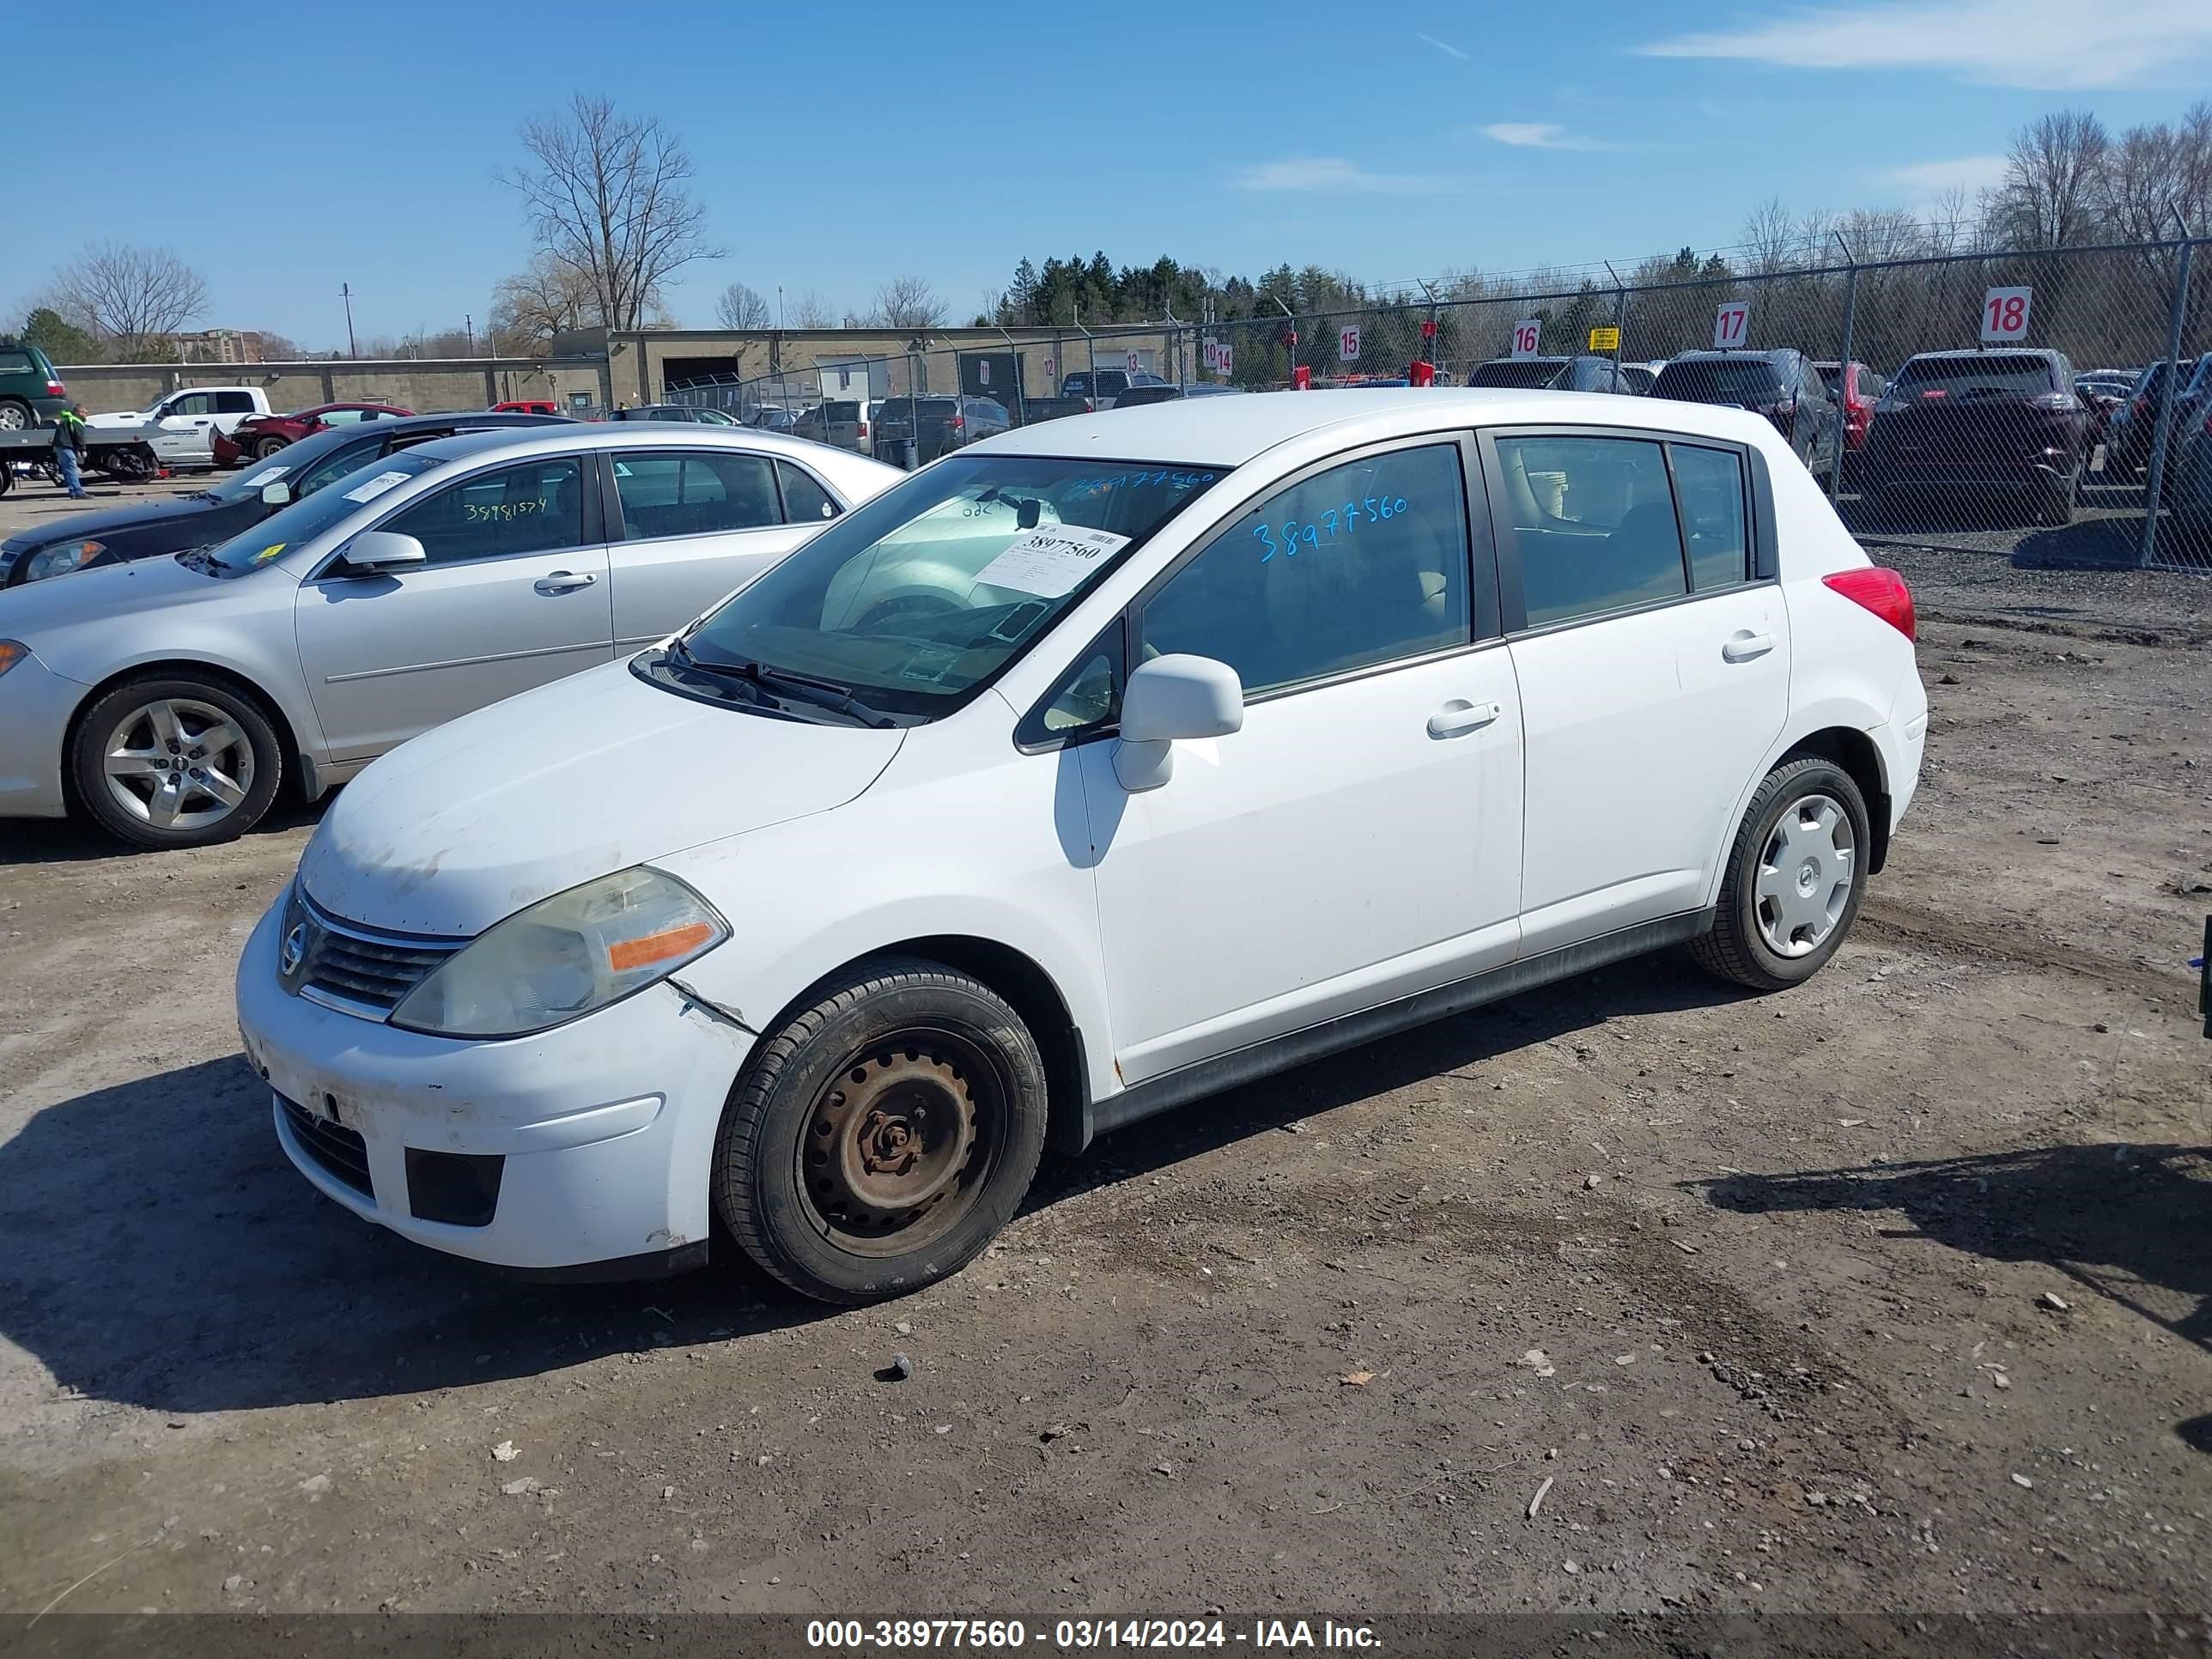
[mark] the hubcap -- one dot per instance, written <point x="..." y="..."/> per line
<point x="897" y="1145"/>
<point x="1805" y="876"/>
<point x="179" y="764"/>
<point x="12" y="418"/>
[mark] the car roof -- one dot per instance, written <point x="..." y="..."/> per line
<point x="626" y="435"/>
<point x="1736" y="354"/>
<point x="1230" y="431"/>
<point x="2044" y="352"/>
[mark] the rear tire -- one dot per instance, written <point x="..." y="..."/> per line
<point x="1795" y="877"/>
<point x="16" y="416"/>
<point x="165" y="761"/>
<point x="2059" y="505"/>
<point x="267" y="448"/>
<point x="879" y="1141"/>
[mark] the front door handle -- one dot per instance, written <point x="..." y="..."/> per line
<point x="1458" y="716"/>
<point x="562" y="580"/>
<point x="1742" y="646"/>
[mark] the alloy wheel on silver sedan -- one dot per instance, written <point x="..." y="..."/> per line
<point x="179" y="763"/>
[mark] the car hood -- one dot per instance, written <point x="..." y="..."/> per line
<point x="472" y="822"/>
<point x="80" y="526"/>
<point x="36" y="610"/>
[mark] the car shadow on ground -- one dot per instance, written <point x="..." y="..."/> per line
<point x="2131" y="1224"/>
<point x="69" y="841"/>
<point x="163" y="1253"/>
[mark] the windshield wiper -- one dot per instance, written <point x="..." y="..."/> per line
<point x="789" y="687"/>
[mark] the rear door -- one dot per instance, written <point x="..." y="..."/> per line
<point x="688" y="526"/>
<point x="515" y="594"/>
<point x="1653" y="663"/>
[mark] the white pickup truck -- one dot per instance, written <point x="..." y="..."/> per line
<point x="181" y="427"/>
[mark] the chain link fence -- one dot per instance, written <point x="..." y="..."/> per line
<point x="2067" y="393"/>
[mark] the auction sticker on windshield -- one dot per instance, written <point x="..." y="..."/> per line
<point x="1051" y="564"/>
<point x="376" y="486"/>
<point x="268" y="475"/>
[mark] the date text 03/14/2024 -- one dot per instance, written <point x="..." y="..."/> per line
<point x="1071" y="1635"/>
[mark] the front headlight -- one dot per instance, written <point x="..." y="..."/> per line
<point x="62" y="558"/>
<point x="565" y="957"/>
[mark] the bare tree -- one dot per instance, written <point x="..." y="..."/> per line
<point x="2053" y="189"/>
<point x="908" y="302"/>
<point x="1770" y="237"/>
<point x="133" y="295"/>
<point x="530" y="309"/>
<point x="2155" y="172"/>
<point x="605" y="194"/>
<point x="809" y="310"/>
<point x="741" y="308"/>
<point x="277" y="348"/>
<point x="1879" y="233"/>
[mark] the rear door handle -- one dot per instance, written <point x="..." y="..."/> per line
<point x="1459" y="716"/>
<point x="1743" y="647"/>
<point x="562" y="580"/>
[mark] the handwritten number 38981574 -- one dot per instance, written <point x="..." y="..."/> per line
<point x="1373" y="510"/>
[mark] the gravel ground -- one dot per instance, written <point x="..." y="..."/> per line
<point x="1894" y="1293"/>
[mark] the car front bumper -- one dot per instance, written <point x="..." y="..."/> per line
<point x="35" y="706"/>
<point x="597" y="1137"/>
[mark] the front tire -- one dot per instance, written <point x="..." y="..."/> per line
<point x="1795" y="877"/>
<point x="879" y="1141"/>
<point x="166" y="762"/>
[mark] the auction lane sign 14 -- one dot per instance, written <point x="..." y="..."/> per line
<point x="1731" y="325"/>
<point x="2004" y="315"/>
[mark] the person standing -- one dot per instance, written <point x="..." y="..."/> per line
<point x="69" y="447"/>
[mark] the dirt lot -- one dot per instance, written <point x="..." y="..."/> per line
<point x="1895" y="1293"/>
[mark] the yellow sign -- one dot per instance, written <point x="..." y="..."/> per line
<point x="1605" y="339"/>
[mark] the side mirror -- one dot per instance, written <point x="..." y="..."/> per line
<point x="275" y="495"/>
<point x="374" y="551"/>
<point x="1170" y="698"/>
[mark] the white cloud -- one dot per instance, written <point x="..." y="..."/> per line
<point x="2045" y="45"/>
<point x="1967" y="173"/>
<point x="1330" y="173"/>
<point x="1539" y="134"/>
<point x="1443" y="46"/>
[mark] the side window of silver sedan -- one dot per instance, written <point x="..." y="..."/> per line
<point x="533" y="507"/>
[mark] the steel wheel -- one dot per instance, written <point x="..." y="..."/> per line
<point x="267" y="448"/>
<point x="1805" y="876"/>
<point x="177" y="763"/>
<point x="14" y="416"/>
<point x="900" y="1142"/>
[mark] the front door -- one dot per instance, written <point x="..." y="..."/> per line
<point x="1360" y="839"/>
<point x="182" y="426"/>
<point x="515" y="593"/>
<point x="1654" y="670"/>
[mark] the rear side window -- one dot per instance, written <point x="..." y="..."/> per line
<point x="1363" y="563"/>
<point x="694" y="495"/>
<point x="1708" y="486"/>
<point x="1593" y="522"/>
<point x="1975" y="376"/>
<point x="233" y="403"/>
<point x="804" y="502"/>
<point x="15" y="362"/>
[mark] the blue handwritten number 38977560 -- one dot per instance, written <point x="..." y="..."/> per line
<point x="1372" y="510"/>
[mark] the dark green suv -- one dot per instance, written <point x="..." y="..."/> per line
<point x="30" y="391"/>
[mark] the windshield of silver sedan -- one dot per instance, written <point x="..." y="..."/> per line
<point x="904" y="608"/>
<point x="308" y="517"/>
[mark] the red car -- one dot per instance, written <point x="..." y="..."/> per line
<point x="526" y="406"/>
<point x="259" y="436"/>
<point x="1858" y="390"/>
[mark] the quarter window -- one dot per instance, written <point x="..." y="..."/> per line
<point x="1593" y="522"/>
<point x="804" y="502"/>
<point x="1363" y="563"/>
<point x="536" y="506"/>
<point x="1709" y="483"/>
<point x="694" y="495"/>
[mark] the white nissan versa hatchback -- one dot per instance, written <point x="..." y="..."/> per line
<point x="1094" y="768"/>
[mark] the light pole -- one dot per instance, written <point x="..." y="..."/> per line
<point x="345" y="291"/>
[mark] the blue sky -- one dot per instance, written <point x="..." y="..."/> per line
<point x="287" y="150"/>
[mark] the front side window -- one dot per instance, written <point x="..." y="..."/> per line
<point x="1594" y="524"/>
<point x="1709" y="483"/>
<point x="1361" y="564"/>
<point x="694" y="493"/>
<point x="932" y="589"/>
<point x="198" y="402"/>
<point x="534" y="506"/>
<point x="345" y="417"/>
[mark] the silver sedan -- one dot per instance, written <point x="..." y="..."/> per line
<point x="168" y="700"/>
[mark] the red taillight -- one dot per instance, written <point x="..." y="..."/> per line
<point x="1881" y="590"/>
<point x="56" y="389"/>
<point x="959" y="423"/>
<point x="864" y="429"/>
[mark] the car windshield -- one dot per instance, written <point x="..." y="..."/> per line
<point x="911" y="603"/>
<point x="309" y="518"/>
<point x="1719" y="382"/>
<point x="1523" y="372"/>
<point x="252" y="479"/>
<point x="1972" y="377"/>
